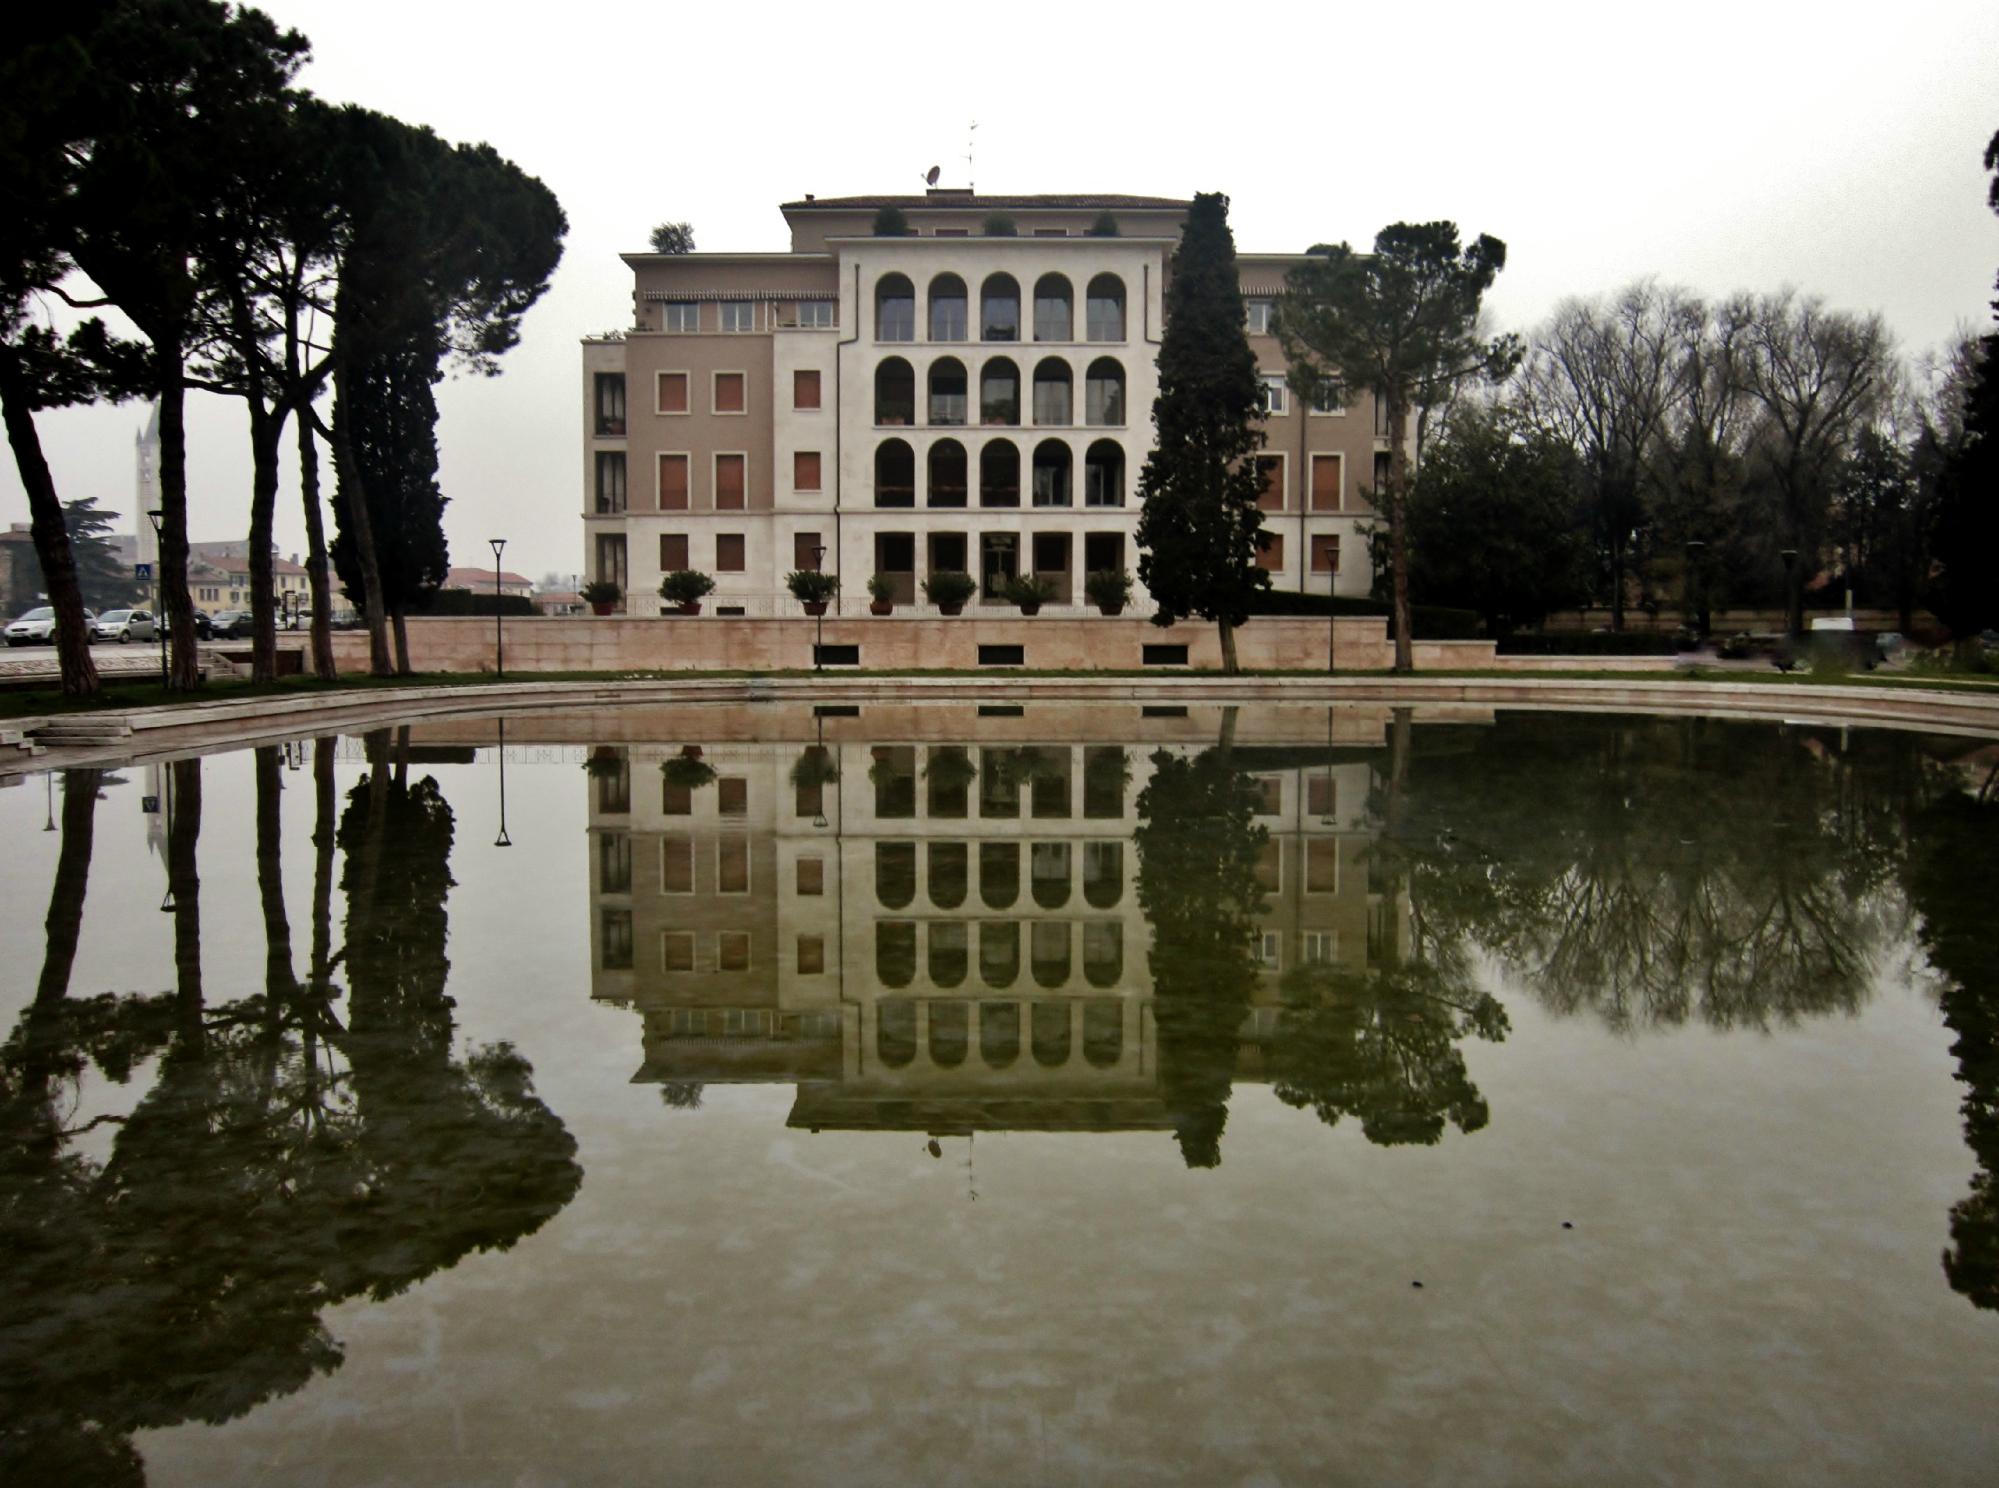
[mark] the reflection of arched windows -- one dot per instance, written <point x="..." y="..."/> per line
<point x="947" y="392"/>
<point x="947" y="309"/>
<point x="1103" y="392"/>
<point x="895" y="473"/>
<point x="895" y="1031"/>
<point x="1048" y="873"/>
<point x="895" y="952"/>
<point x="950" y="954"/>
<point x="999" y="309"/>
<point x="999" y="392"/>
<point x="895" y="393"/>
<point x="895" y="308"/>
<point x="950" y="1033"/>
<point x="1050" y="949"/>
<point x="1103" y="1031"/>
<point x="1054" y="309"/>
<point x="1048" y="1034"/>
<point x="949" y="874"/>
<point x="1054" y="392"/>
<point x="1103" y="874"/>
<point x="1103" y="953"/>
<point x="999" y="874"/>
<point x="1103" y="308"/>
<point x="999" y="474"/>
<point x="1051" y="474"/>
<point x="999" y="1033"/>
<point x="895" y="874"/>
<point x="999" y="952"/>
<point x="947" y="474"/>
<point x="1103" y="474"/>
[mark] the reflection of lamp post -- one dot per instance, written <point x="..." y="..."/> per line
<point x="156" y="516"/>
<point x="167" y="793"/>
<point x="819" y="620"/>
<point x="50" y="777"/>
<point x="1696" y="619"/>
<point x="503" y="840"/>
<point x="1327" y="819"/>
<point x="499" y="639"/>
<point x="1790" y="557"/>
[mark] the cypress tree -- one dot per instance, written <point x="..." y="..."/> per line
<point x="1199" y="531"/>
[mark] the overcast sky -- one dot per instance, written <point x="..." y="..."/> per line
<point x="1721" y="146"/>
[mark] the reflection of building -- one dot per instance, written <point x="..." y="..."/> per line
<point x="938" y="935"/>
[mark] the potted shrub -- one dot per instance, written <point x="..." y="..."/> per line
<point x="949" y="590"/>
<point x="601" y="595"/>
<point x="883" y="592"/>
<point x="812" y="589"/>
<point x="1109" y="590"/>
<point x="1029" y="591"/>
<point x="604" y="763"/>
<point x="684" y="587"/>
<point x="689" y="774"/>
<point x="814" y="768"/>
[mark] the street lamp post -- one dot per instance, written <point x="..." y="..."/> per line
<point x="819" y="620"/>
<point x="499" y="545"/>
<point x="156" y="516"/>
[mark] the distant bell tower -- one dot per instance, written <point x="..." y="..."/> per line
<point x="148" y="494"/>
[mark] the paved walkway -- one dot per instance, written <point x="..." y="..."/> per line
<point x="34" y="663"/>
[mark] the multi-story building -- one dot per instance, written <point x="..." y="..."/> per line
<point x="949" y="399"/>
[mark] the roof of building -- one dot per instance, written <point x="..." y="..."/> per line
<point x="469" y="578"/>
<point x="960" y="200"/>
<point x="232" y="564"/>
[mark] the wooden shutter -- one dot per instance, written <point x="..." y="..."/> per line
<point x="673" y="392"/>
<point x="1325" y="483"/>
<point x="805" y="470"/>
<point x="728" y="392"/>
<point x="805" y="388"/>
<point x="673" y="483"/>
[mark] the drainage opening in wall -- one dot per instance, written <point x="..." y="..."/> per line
<point x="1164" y="656"/>
<point x="830" y="655"/>
<point x="1003" y="656"/>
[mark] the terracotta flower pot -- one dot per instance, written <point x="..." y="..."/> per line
<point x="881" y="607"/>
<point x="814" y="606"/>
<point x="601" y="606"/>
<point x="952" y="609"/>
<point x="690" y="607"/>
<point x="1110" y="610"/>
<point x="1033" y="608"/>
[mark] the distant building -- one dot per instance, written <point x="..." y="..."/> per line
<point x="218" y="575"/>
<point x="480" y="581"/>
<point x="20" y="570"/>
<point x="560" y="602"/>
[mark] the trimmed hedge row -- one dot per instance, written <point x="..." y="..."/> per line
<point x="1591" y="643"/>
<point x="477" y="602"/>
<point x="1433" y="622"/>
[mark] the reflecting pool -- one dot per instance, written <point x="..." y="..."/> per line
<point x="1037" y="1093"/>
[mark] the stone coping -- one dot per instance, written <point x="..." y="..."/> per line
<point x="185" y="729"/>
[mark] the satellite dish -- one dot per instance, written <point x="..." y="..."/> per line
<point x="930" y="176"/>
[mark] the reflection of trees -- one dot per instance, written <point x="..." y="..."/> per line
<point x="279" y="1163"/>
<point x="1953" y="886"/>
<point x="1197" y="850"/>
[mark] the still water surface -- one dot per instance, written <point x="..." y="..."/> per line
<point x="1028" y="1095"/>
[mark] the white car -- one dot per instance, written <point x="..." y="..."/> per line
<point x="125" y="625"/>
<point x="38" y="627"/>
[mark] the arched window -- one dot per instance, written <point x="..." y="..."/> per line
<point x="947" y="392"/>
<point x="895" y="393"/>
<point x="1048" y="873"/>
<point x="947" y="309"/>
<point x="999" y="392"/>
<point x="1103" y="1031"/>
<point x="950" y="872"/>
<point x="950" y="1033"/>
<point x="1103" y="474"/>
<point x="999" y="952"/>
<point x="895" y="1031"/>
<point x="1049" y="1033"/>
<point x="895" y="308"/>
<point x="999" y="1033"/>
<point x="1054" y="386"/>
<point x="1051" y="474"/>
<point x="947" y="474"/>
<point x="999" y="474"/>
<point x="895" y="473"/>
<point x="950" y="952"/>
<point x="1050" y="952"/>
<point x="999" y="309"/>
<point x="1103" y="953"/>
<point x="1103" y="309"/>
<point x="895" y="874"/>
<point x="999" y="874"/>
<point x="1054" y="309"/>
<point x="1103" y="393"/>
<point x="895" y="952"/>
<point x="1103" y="873"/>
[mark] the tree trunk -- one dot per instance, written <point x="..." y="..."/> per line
<point x="1229" y="666"/>
<point x="267" y="426"/>
<point x="1616" y="583"/>
<point x="65" y="919"/>
<point x="320" y="585"/>
<point x="363" y="524"/>
<point x="279" y="985"/>
<point x="402" y="643"/>
<point x="1398" y="526"/>
<point x="51" y="532"/>
<point x="184" y="883"/>
<point x="184" y="670"/>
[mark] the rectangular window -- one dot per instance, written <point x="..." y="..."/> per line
<point x="614" y="863"/>
<point x="815" y="315"/>
<point x="806" y="551"/>
<point x="610" y="482"/>
<point x="1380" y="474"/>
<point x="611" y="558"/>
<point x="1163" y="655"/>
<point x="672" y="552"/>
<point x="617" y="939"/>
<point x="676" y="950"/>
<point x="732" y="950"/>
<point x="1259" y="315"/>
<point x="1322" y="865"/>
<point x="738" y="315"/>
<point x="610" y="387"/>
<point x="811" y="955"/>
<point x="732" y="795"/>
<point x="1327" y="401"/>
<point x="729" y="482"/>
<point x="1270" y="551"/>
<point x="1270" y="482"/>
<point x="811" y="877"/>
<point x="1274" y="393"/>
<point x="614" y="788"/>
<point x="952" y="232"/>
<point x="1322" y="794"/>
<point x="673" y="483"/>
<point x="728" y="552"/>
<point x="805" y="470"/>
<point x="729" y="394"/>
<point x="1270" y="865"/>
<point x="1322" y="946"/>
<point x="1381" y="430"/>
<point x="1326" y="482"/>
<point x="1325" y="553"/>
<point x="681" y="315"/>
<point x="1002" y="656"/>
<point x="672" y="391"/>
<point x="1051" y="400"/>
<point x="805" y="388"/>
<point x="732" y="865"/>
<point x="1269" y="955"/>
<point x="676" y="864"/>
<point x="675" y="800"/>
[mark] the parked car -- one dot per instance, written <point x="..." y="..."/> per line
<point x="230" y="624"/>
<point x="125" y="625"/>
<point x="38" y="626"/>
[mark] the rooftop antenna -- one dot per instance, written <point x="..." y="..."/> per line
<point x="930" y="176"/>
<point x="971" y="175"/>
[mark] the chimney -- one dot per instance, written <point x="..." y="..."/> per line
<point x="810" y="197"/>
